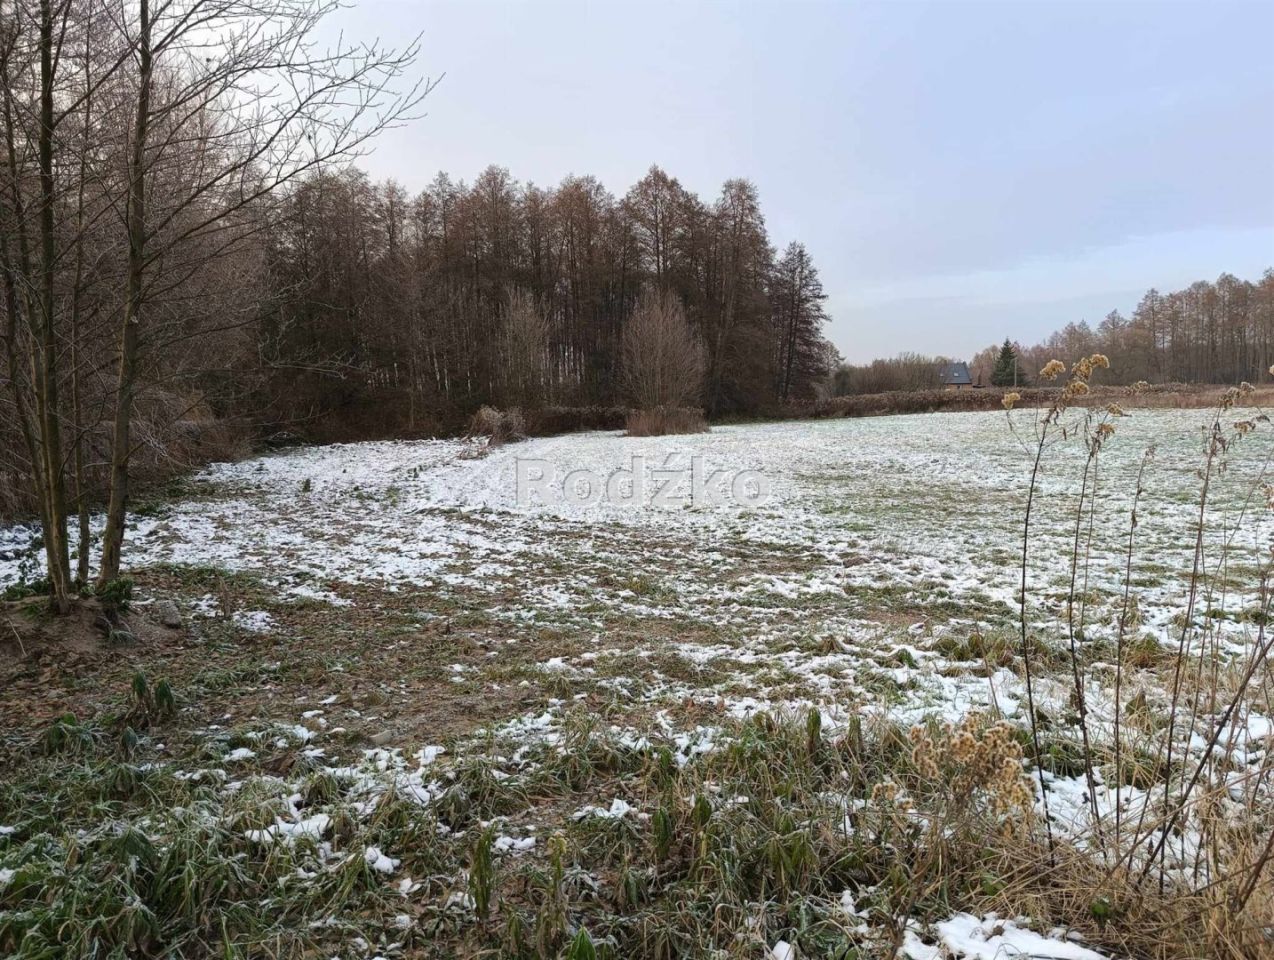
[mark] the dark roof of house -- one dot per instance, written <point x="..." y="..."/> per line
<point x="955" y="374"/>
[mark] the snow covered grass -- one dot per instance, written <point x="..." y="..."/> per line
<point x="710" y="729"/>
<point x="720" y="842"/>
<point x="771" y="828"/>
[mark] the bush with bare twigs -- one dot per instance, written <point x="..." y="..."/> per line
<point x="663" y="366"/>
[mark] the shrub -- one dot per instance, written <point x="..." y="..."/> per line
<point x="26" y="588"/>
<point x="117" y="593"/>
<point x="666" y="420"/>
<point x="501" y="426"/>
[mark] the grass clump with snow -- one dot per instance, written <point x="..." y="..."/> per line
<point x="867" y="840"/>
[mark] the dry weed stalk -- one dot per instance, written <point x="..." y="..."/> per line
<point x="1202" y="826"/>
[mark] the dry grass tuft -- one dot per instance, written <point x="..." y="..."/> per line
<point x="663" y="421"/>
<point x="500" y="426"/>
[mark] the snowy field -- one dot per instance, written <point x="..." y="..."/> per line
<point x="837" y="566"/>
<point x="925" y="510"/>
<point x="867" y="526"/>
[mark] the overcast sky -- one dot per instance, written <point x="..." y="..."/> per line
<point x="959" y="171"/>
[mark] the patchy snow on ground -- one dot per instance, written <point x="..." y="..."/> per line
<point x="379" y="862"/>
<point x="927" y="505"/>
<point x="919" y="513"/>
<point x="966" y="937"/>
<point x="881" y="545"/>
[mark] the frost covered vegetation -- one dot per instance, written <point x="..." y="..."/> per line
<point x="413" y="716"/>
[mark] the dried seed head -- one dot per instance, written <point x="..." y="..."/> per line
<point x="1010" y="399"/>
<point x="1052" y="369"/>
<point x="557" y="845"/>
<point x="885" y="792"/>
<point x="963" y="746"/>
<point x="1076" y="388"/>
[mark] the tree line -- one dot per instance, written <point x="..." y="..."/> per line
<point x="1219" y="332"/>
<point x="1215" y="333"/>
<point x="907" y="371"/>
<point x="410" y="309"/>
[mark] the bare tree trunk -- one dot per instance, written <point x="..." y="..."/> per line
<point x="121" y="441"/>
<point x="55" y="534"/>
<point x="77" y="412"/>
<point x="77" y="298"/>
<point x="13" y="304"/>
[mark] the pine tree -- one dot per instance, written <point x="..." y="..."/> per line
<point x="1005" y="373"/>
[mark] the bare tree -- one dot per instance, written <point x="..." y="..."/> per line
<point x="798" y="317"/>
<point x="526" y="346"/>
<point x="145" y="147"/>
<point x="663" y="362"/>
<point x="44" y="86"/>
<point x="232" y="102"/>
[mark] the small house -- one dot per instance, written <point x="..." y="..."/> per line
<point x="955" y="376"/>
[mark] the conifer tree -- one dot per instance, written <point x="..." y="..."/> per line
<point x="1006" y="373"/>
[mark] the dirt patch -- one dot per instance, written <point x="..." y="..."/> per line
<point x="52" y="665"/>
<point x="29" y="632"/>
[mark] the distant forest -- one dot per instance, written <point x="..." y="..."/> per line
<point x="1220" y="332"/>
<point x="411" y="308"/>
